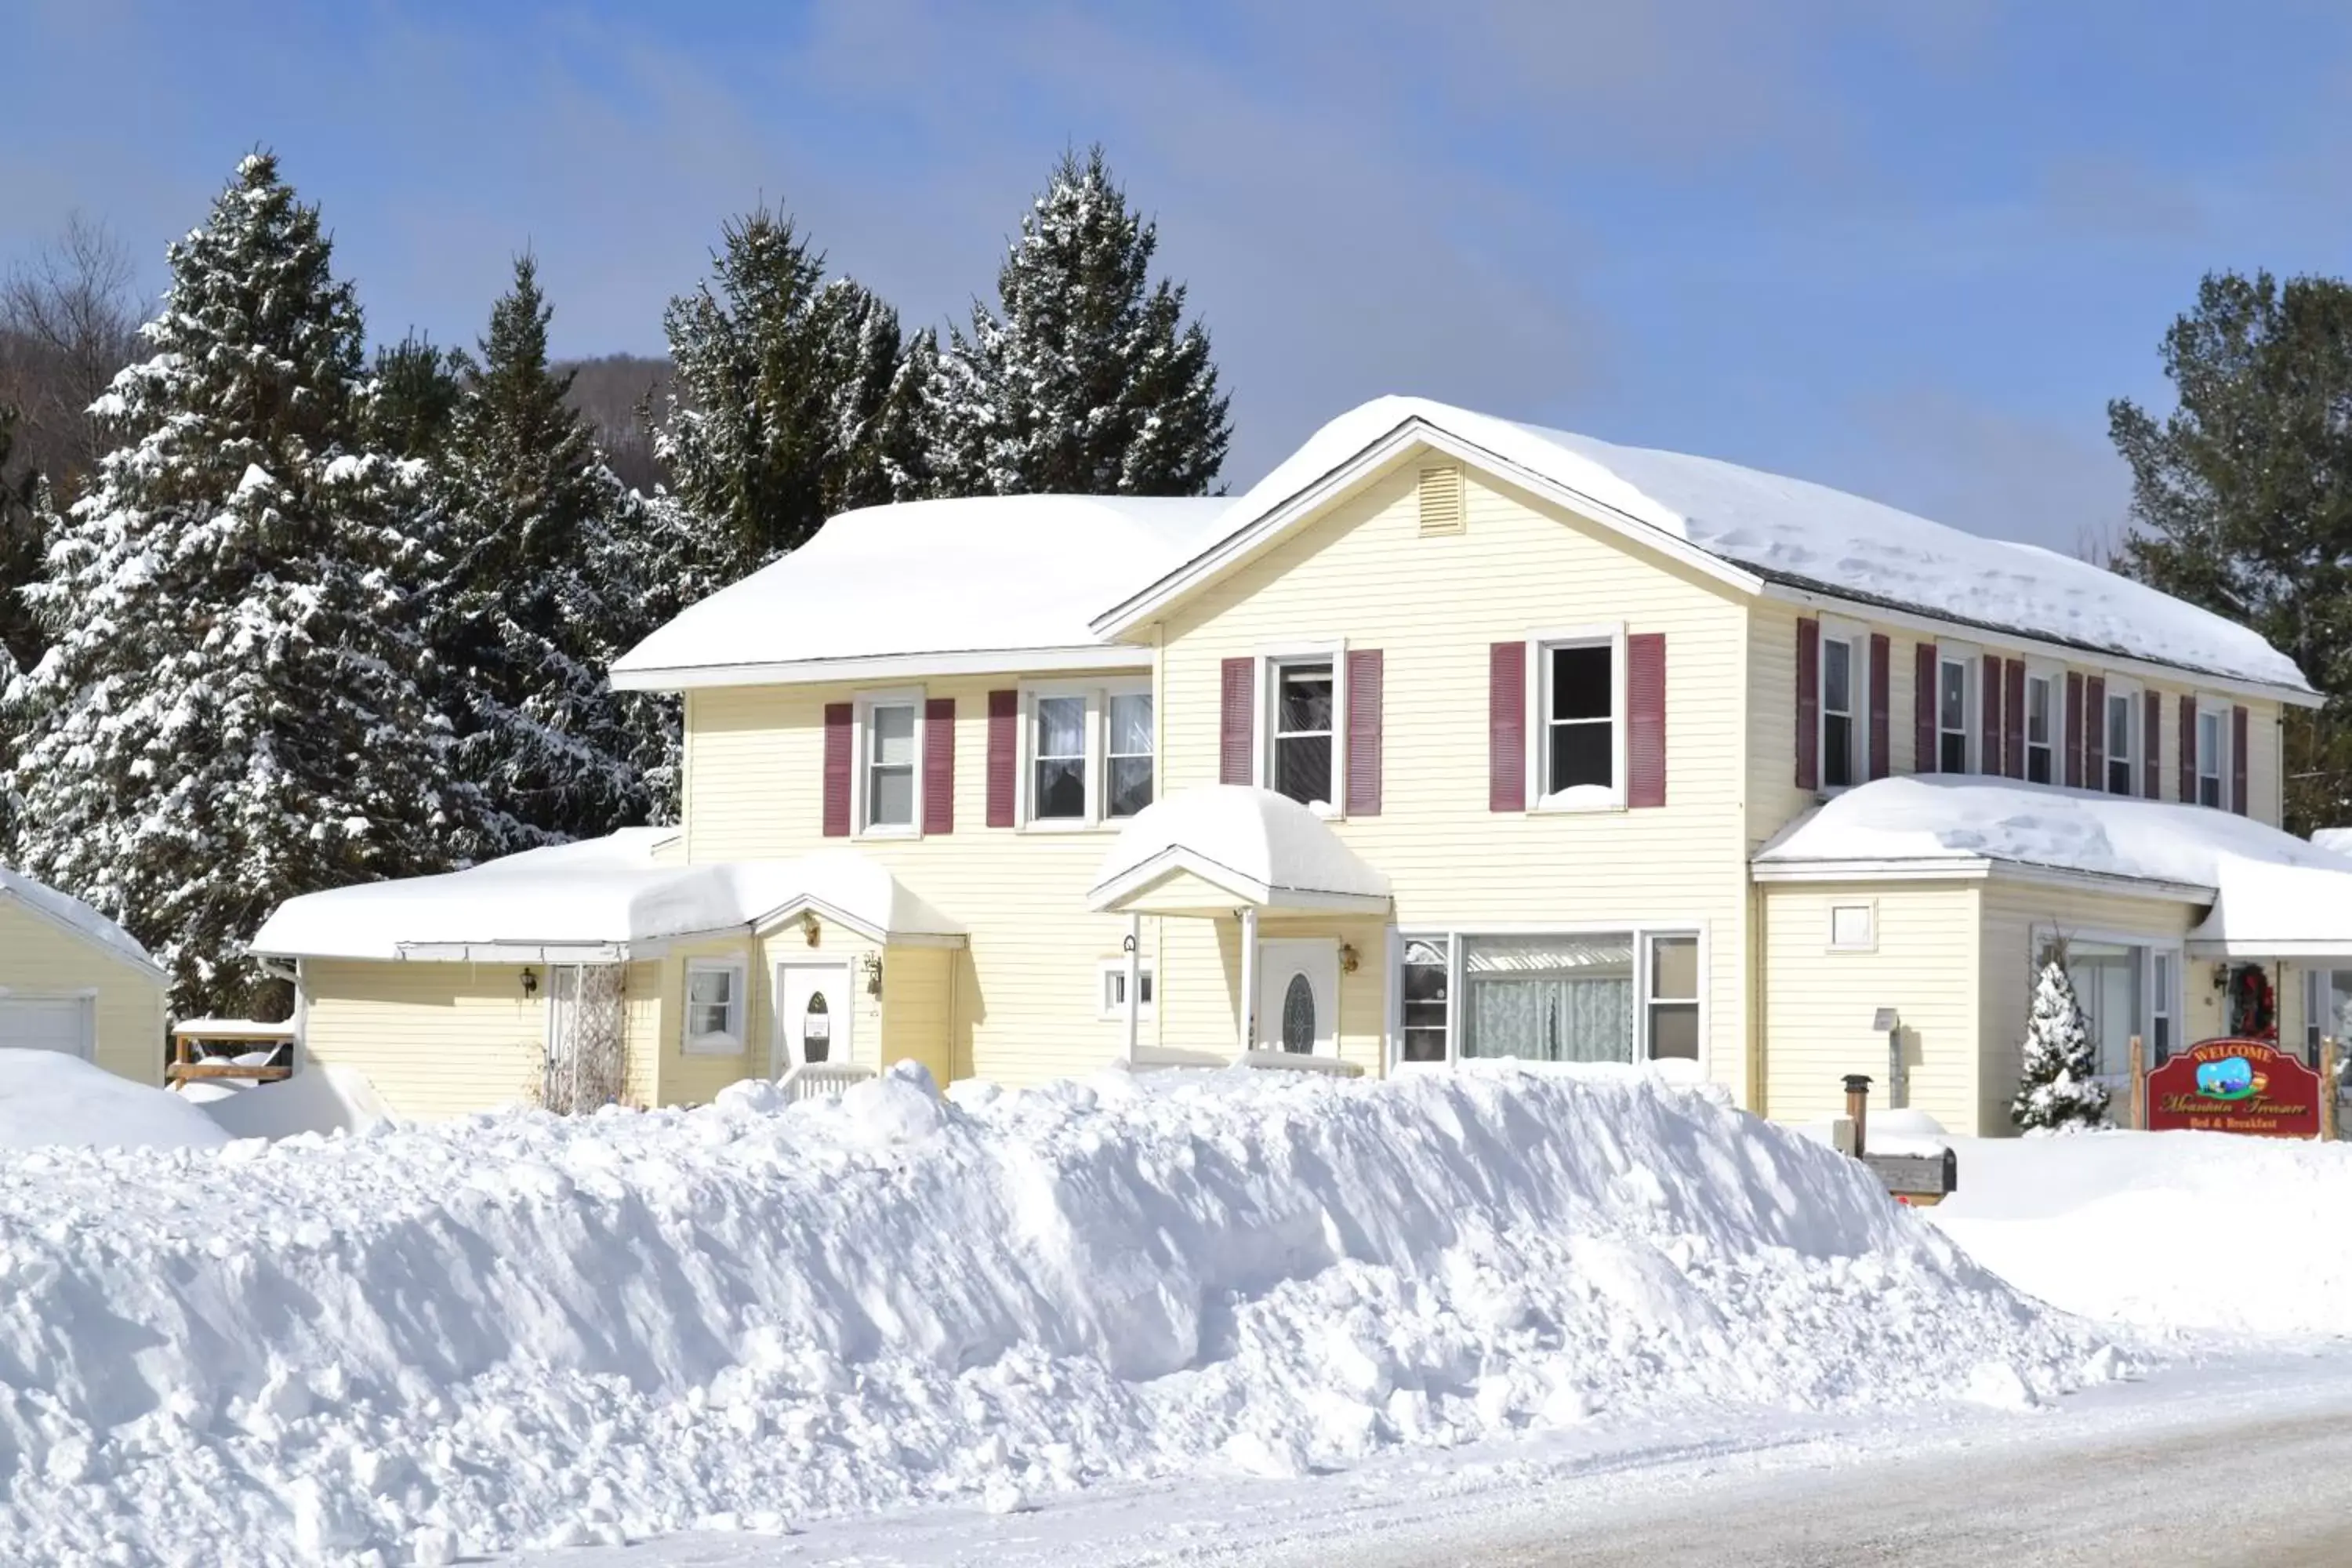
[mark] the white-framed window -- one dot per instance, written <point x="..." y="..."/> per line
<point x="2126" y="985"/>
<point x="1844" y="698"/>
<point x="2120" y="737"/>
<point x="2041" y="720"/>
<point x="1110" y="988"/>
<point x="2212" y="753"/>
<point x="1576" y="731"/>
<point x="1087" y="752"/>
<point x="1955" y="710"/>
<point x="890" y="764"/>
<point x="714" y="1006"/>
<point x="1853" y="927"/>
<point x="1631" y="994"/>
<point x="2163" y="1005"/>
<point x="1302" y="753"/>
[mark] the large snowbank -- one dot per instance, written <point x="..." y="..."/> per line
<point x="2180" y="1230"/>
<point x="517" y="1328"/>
<point x="1795" y="530"/>
<point x="49" y="1099"/>
<point x="323" y="1097"/>
<point x="72" y="912"/>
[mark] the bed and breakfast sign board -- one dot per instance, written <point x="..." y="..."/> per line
<point x="2234" y="1086"/>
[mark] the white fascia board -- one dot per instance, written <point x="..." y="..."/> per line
<point x="514" y="951"/>
<point x="1269" y="527"/>
<point x="786" y="913"/>
<point x="1977" y="632"/>
<point x="886" y="666"/>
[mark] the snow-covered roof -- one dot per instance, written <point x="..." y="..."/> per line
<point x="607" y="898"/>
<point x="1805" y="535"/>
<point x="2272" y="893"/>
<point x="71" y="912"/>
<point x="1258" y="846"/>
<point x="987" y="574"/>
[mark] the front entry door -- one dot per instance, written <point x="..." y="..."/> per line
<point x="813" y="1015"/>
<point x="1298" y="996"/>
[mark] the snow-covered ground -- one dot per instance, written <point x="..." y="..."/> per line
<point x="420" y="1341"/>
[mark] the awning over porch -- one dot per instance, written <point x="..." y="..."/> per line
<point x="1208" y="852"/>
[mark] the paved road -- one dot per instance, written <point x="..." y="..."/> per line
<point x="2274" y="1492"/>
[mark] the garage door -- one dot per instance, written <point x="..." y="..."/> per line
<point x="45" y="1024"/>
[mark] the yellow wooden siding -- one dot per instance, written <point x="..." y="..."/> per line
<point x="436" y="1039"/>
<point x="641" y="1033"/>
<point x="917" y="988"/>
<point x="1818" y="1004"/>
<point x="1366" y="574"/>
<point x="40" y="958"/>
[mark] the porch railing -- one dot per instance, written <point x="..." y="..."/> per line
<point x="1151" y="1059"/>
<point x="820" y="1081"/>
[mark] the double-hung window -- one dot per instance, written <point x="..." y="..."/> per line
<point x="1426" y="968"/>
<point x="1112" y="992"/>
<point x="1126" y="754"/>
<point x="2122" y="723"/>
<point x="714" y="1006"/>
<point x="1841" y="677"/>
<point x="889" y="787"/>
<point x="1057" y="789"/>
<point x="1954" y="710"/>
<point x="1578" y="739"/>
<point x="1306" y="713"/>
<point x="1089" y="753"/>
<point x="2041" y="729"/>
<point x="2212" y="737"/>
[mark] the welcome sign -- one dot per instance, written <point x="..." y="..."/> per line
<point x="2234" y="1086"/>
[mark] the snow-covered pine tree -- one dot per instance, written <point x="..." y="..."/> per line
<point x="781" y="407"/>
<point x="526" y="604"/>
<point x="229" y="715"/>
<point x="415" y="400"/>
<point x="2058" y="1086"/>
<point x="1086" y="378"/>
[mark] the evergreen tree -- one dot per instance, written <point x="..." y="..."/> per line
<point x="782" y="406"/>
<point x="2242" y="496"/>
<point x="1086" y="378"/>
<point x="413" y="405"/>
<point x="24" y="530"/>
<point x="2058" y="1086"/>
<point x="527" y="601"/>
<point x="229" y="716"/>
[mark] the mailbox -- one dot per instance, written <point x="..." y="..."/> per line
<point x="1916" y="1178"/>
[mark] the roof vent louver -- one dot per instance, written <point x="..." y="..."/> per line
<point x="1441" y="499"/>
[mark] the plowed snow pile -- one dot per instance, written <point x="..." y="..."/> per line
<point x="431" y="1340"/>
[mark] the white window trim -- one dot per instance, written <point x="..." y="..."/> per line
<point x="862" y="722"/>
<point x="730" y="1044"/>
<point x="1970" y="659"/>
<point x="1109" y="1011"/>
<point x="2041" y="936"/>
<point x="2136" y="722"/>
<point x="2055" y="677"/>
<point x="1098" y="694"/>
<point x="1643" y="931"/>
<point x="1270" y="663"/>
<point x="1856" y="638"/>
<point x="1870" y="908"/>
<point x="1584" y="797"/>
<point x="2216" y="756"/>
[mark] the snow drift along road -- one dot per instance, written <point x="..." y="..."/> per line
<point x="517" y="1328"/>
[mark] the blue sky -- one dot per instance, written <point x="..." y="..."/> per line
<point x="1907" y="247"/>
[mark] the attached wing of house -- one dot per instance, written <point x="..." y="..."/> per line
<point x="73" y="980"/>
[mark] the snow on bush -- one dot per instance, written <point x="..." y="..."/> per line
<point x="2058" y="1085"/>
<point x="517" y="1328"/>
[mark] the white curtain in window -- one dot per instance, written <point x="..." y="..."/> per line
<point x="1549" y="999"/>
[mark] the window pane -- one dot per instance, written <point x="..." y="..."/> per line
<point x="1298" y="1016"/>
<point x="1851" y="926"/>
<point x="1302" y="767"/>
<point x="1130" y="785"/>
<point x="1837" y="750"/>
<point x="1582" y="755"/>
<point x="1130" y="725"/>
<point x="1306" y="703"/>
<point x="1061" y="727"/>
<point x="2119" y="726"/>
<point x="1953" y="757"/>
<point x="1837" y="683"/>
<point x="890" y="798"/>
<point x="1953" y="698"/>
<point x="710" y="985"/>
<point x="1424" y="1002"/>
<point x="893" y="741"/>
<point x="2037" y="712"/>
<point x="1581" y="683"/>
<point x="2037" y="764"/>
<point x="1674" y="968"/>
<point x="2120" y="775"/>
<point x="1673" y="1032"/>
<point x="1548" y="998"/>
<point x="1061" y="788"/>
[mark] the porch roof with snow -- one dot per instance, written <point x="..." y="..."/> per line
<point x="1208" y="852"/>
<point x="603" y="900"/>
<point x="2265" y="893"/>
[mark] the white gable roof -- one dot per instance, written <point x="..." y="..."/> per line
<point x="988" y="574"/>
<point x="1796" y="533"/>
<point x="70" y="912"/>
<point x="1262" y="847"/>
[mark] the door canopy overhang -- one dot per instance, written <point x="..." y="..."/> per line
<point x="1208" y="852"/>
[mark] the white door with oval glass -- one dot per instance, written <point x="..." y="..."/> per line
<point x="1298" y="996"/>
<point x="814" y="1015"/>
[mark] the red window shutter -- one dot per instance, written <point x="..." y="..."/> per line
<point x="1989" y="694"/>
<point x="2188" y="751"/>
<point x="1003" y="755"/>
<point x="1881" y="674"/>
<point x="2094" y="733"/>
<point x="1809" y="703"/>
<point x="1365" y="673"/>
<point x="1236" y="714"/>
<point x="1923" y="709"/>
<point x="2012" y="718"/>
<point x="838" y="717"/>
<point x="2151" y="736"/>
<point x="2238" y="728"/>
<point x="938" y="764"/>
<point x="2073" y="727"/>
<point x="1507" y="726"/>
<point x="1645" y="722"/>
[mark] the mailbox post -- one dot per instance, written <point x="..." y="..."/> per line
<point x="1857" y="1110"/>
